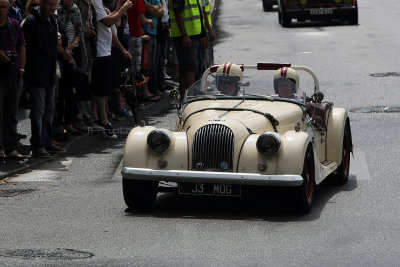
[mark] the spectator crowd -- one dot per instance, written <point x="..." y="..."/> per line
<point x="71" y="57"/>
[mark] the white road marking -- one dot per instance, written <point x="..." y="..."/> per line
<point x="359" y="167"/>
<point x="37" y="176"/>
<point x="51" y="173"/>
<point x="117" y="173"/>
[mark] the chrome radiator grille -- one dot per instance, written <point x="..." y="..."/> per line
<point x="213" y="148"/>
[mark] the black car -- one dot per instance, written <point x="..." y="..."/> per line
<point x="303" y="10"/>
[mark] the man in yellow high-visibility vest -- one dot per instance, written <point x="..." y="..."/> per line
<point x="186" y="18"/>
<point x="209" y="36"/>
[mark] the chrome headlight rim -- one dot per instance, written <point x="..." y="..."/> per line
<point x="158" y="141"/>
<point x="268" y="144"/>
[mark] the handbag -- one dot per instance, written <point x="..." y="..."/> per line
<point x="81" y="85"/>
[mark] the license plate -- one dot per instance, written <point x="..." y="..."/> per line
<point x="210" y="189"/>
<point x="321" y="11"/>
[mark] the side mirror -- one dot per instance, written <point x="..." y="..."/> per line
<point x="174" y="94"/>
<point x="317" y="97"/>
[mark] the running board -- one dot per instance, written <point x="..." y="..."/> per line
<point x="326" y="168"/>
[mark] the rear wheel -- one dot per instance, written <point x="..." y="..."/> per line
<point x="285" y="19"/>
<point x="267" y="6"/>
<point x="139" y="194"/>
<point x="341" y="176"/>
<point x="353" y="19"/>
<point x="305" y="193"/>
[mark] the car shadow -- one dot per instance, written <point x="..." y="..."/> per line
<point x="273" y="206"/>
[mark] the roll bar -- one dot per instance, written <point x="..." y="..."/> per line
<point x="263" y="66"/>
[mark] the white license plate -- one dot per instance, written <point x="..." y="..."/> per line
<point x="210" y="189"/>
<point x="321" y="11"/>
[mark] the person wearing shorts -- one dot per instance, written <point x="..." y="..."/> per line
<point x="102" y="67"/>
<point x="102" y="74"/>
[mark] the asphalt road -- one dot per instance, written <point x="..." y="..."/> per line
<point x="71" y="211"/>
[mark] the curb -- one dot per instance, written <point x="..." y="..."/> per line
<point x="9" y="168"/>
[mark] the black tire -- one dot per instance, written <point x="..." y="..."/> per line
<point x="285" y="19"/>
<point x="305" y="194"/>
<point x="267" y="6"/>
<point x="353" y="19"/>
<point x="341" y="175"/>
<point x="280" y="17"/>
<point x="139" y="195"/>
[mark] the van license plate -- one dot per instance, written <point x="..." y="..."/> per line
<point x="321" y="11"/>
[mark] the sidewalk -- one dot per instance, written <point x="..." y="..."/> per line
<point x="11" y="167"/>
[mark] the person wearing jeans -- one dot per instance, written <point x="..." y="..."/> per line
<point x="12" y="62"/>
<point x="40" y="31"/>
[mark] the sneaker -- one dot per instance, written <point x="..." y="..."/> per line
<point x="80" y="126"/>
<point x="21" y="136"/>
<point x="3" y="155"/>
<point x="108" y="131"/>
<point x="93" y="126"/>
<point x="55" y="149"/>
<point x="40" y="153"/>
<point x="123" y="113"/>
<point x="15" y="155"/>
<point x="166" y="87"/>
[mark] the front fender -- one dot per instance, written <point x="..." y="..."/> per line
<point x="289" y="159"/>
<point x="137" y="154"/>
<point x="336" y="124"/>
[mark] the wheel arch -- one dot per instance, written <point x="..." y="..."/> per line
<point x="336" y="125"/>
<point x="293" y="151"/>
<point x="137" y="154"/>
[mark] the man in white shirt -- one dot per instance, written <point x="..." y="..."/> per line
<point x="102" y="72"/>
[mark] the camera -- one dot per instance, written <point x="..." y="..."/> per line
<point x="11" y="66"/>
<point x="12" y="56"/>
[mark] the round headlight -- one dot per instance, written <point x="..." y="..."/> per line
<point x="268" y="144"/>
<point x="158" y="141"/>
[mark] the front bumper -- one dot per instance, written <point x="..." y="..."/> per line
<point x="337" y="12"/>
<point x="211" y="177"/>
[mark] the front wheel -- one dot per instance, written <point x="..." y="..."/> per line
<point x="341" y="176"/>
<point x="139" y="194"/>
<point x="305" y="193"/>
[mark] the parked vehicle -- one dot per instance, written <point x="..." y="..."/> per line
<point x="303" y="10"/>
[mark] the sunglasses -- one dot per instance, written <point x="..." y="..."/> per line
<point x="33" y="5"/>
<point x="228" y="82"/>
<point x="4" y="7"/>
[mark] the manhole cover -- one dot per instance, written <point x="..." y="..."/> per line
<point x="378" y="109"/>
<point x="47" y="254"/>
<point x="14" y="192"/>
<point x="385" y="74"/>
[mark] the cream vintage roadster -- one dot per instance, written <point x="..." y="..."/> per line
<point x="230" y="137"/>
